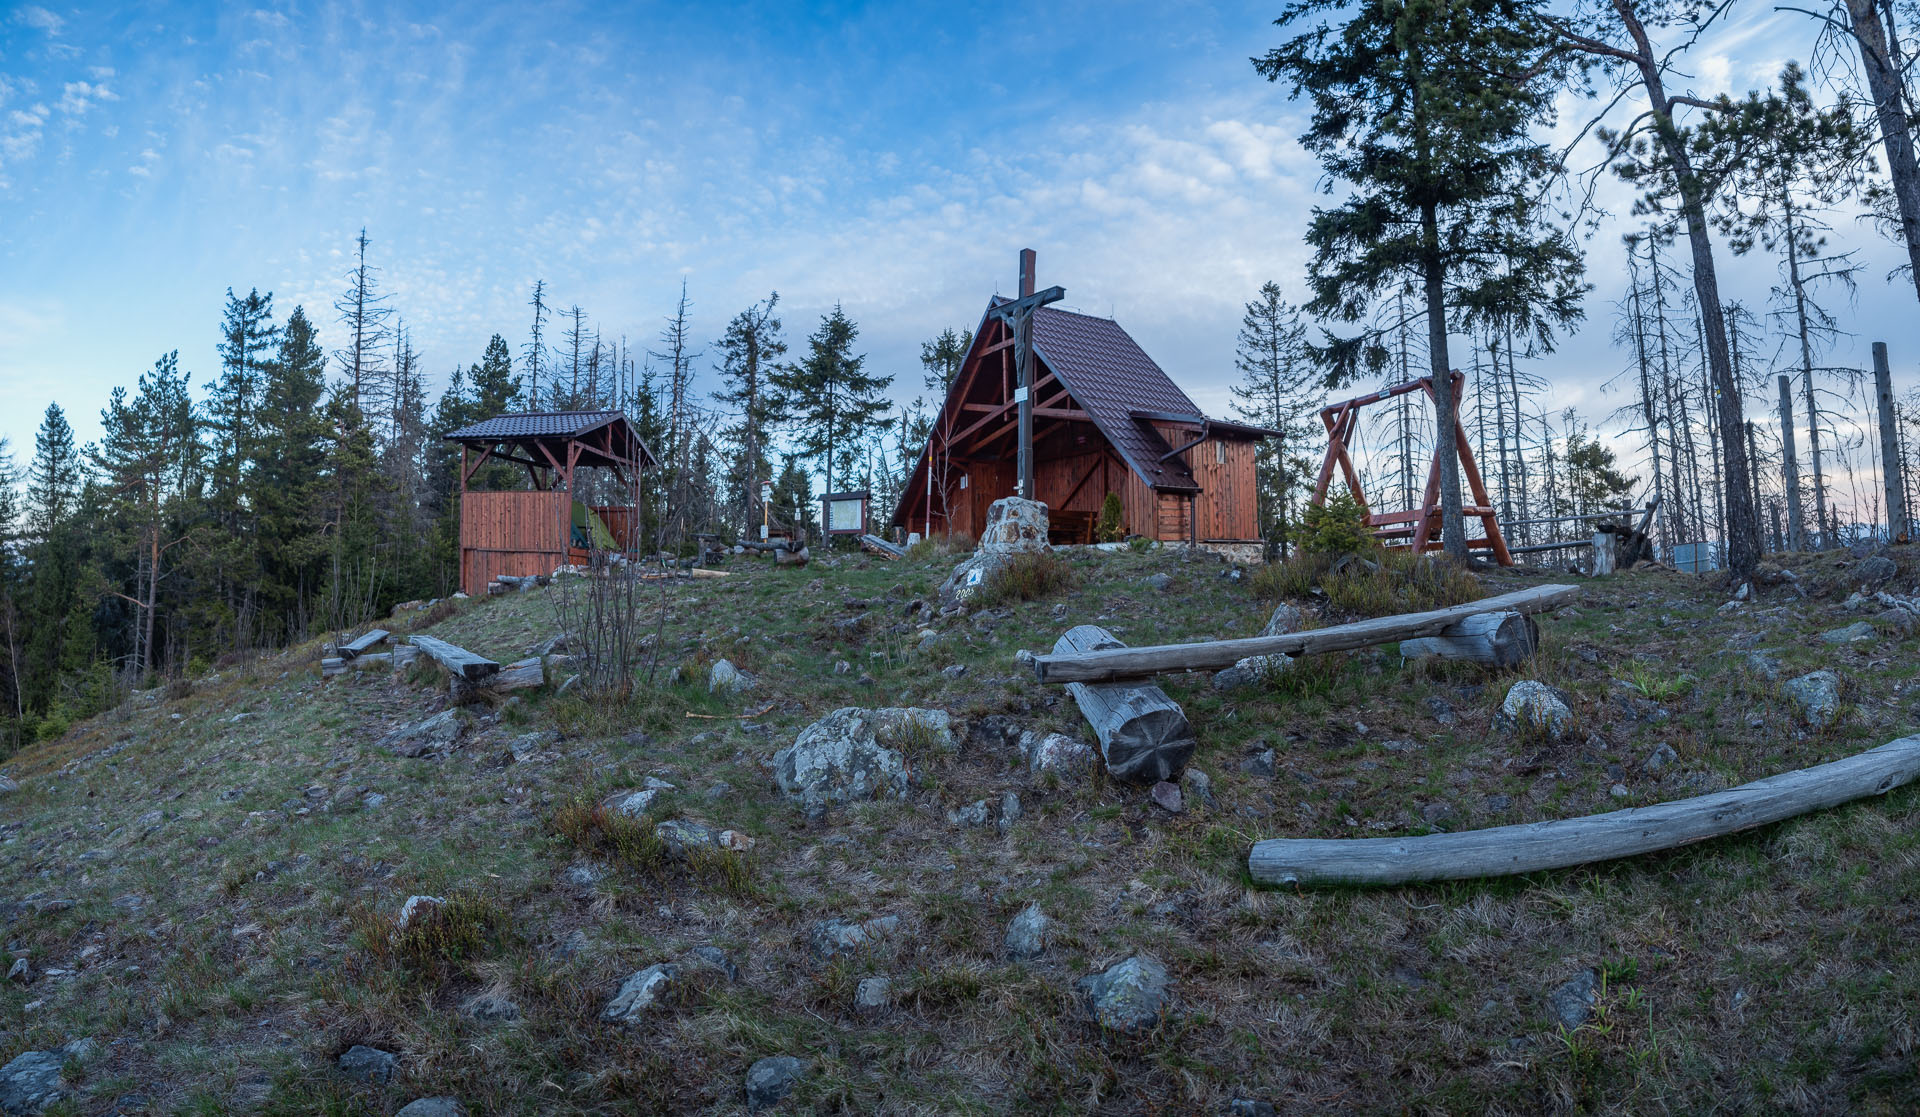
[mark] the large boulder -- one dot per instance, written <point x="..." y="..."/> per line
<point x="31" y="1081"/>
<point x="1818" y="696"/>
<point x="855" y="754"/>
<point x="1014" y="525"/>
<point x="1128" y="996"/>
<point x="1286" y="620"/>
<point x="438" y="733"/>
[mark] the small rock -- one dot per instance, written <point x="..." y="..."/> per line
<point x="368" y="1064"/>
<point x="1875" y="571"/>
<point x="770" y="1080"/>
<point x="1198" y="786"/>
<point x="8" y="785"/>
<point x="1572" y="1002"/>
<point x="438" y="733"/>
<point x="1441" y="710"/>
<point x="713" y="958"/>
<point x="1167" y="797"/>
<point x="954" y="670"/>
<point x="20" y="973"/>
<point x="442" y="1106"/>
<point x="724" y="678"/>
<point x="973" y="814"/>
<point x="1026" y="937"/>
<point x="1854" y="633"/>
<point x="1128" y="996"/>
<point x="832" y="937"/>
<point x="842" y="667"/>
<point x="1499" y="802"/>
<point x="31" y="1081"/>
<point x="415" y="907"/>
<point x="1661" y="756"/>
<point x="1818" y="695"/>
<point x="633" y="804"/>
<point x="1535" y="705"/>
<point x="1253" y="669"/>
<point x="1056" y="752"/>
<point x="1009" y="811"/>
<point x="1260" y="765"/>
<point x="490" y="1006"/>
<point x="1248" y="1107"/>
<point x="873" y="994"/>
<point x="1618" y="791"/>
<point x="1285" y="621"/>
<point x="641" y="991"/>
<point x="1159" y="581"/>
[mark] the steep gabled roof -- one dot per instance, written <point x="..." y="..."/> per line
<point x="611" y="435"/>
<point x="1111" y="377"/>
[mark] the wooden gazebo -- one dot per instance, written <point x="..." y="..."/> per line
<point x="533" y="530"/>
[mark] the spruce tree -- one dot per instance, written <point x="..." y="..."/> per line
<point x="750" y="351"/>
<point x="1428" y="108"/>
<point x="833" y="405"/>
<point x="1278" y="389"/>
<point x="941" y="358"/>
<point x="289" y="458"/>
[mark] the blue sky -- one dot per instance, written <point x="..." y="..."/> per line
<point x="887" y="157"/>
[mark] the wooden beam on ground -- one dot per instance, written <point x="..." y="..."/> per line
<point x="518" y="676"/>
<point x="364" y="644"/>
<point x="456" y="660"/>
<point x="1490" y="639"/>
<point x="1216" y="655"/>
<point x="1559" y="843"/>
<point x="1144" y="735"/>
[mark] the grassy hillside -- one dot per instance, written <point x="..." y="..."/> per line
<point x="207" y="880"/>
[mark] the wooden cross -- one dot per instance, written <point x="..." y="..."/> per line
<point x="1018" y="315"/>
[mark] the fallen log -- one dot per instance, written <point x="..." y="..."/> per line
<point x="785" y="557"/>
<point x="1144" y="735"/>
<point x="880" y="546"/>
<point x="376" y="659"/>
<point x="1559" y="843"/>
<point x="1216" y="655"/>
<point x="518" y="676"/>
<point x="457" y="661"/>
<point x="331" y="666"/>
<point x="1491" y="639"/>
<point x="362" y="645"/>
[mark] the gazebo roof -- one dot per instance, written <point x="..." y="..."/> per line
<point x="602" y="437"/>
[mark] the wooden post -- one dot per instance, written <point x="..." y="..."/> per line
<point x="1889" y="446"/>
<point x="1603" y="556"/>
<point x="1499" y="640"/>
<point x="1796" y="521"/>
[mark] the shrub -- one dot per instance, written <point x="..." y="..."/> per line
<point x="1388" y="582"/>
<point x="1337" y="527"/>
<point x="1025" y="576"/>
<point x="440" y="940"/>
<point x="1111" y="526"/>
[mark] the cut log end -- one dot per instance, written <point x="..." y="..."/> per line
<point x="1144" y="735"/>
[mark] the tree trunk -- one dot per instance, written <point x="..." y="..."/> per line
<point x="1883" y="84"/>
<point x="1646" y="397"/>
<point x="1453" y="531"/>
<point x="1743" y="528"/>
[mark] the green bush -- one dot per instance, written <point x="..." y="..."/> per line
<point x="1111" y="527"/>
<point x="1338" y="526"/>
<point x="1026" y="576"/>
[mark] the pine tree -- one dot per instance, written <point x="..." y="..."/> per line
<point x="1418" y="106"/>
<point x="750" y="351"/>
<point x="286" y="492"/>
<point x="231" y="421"/>
<point x="941" y="358"/>
<point x="1278" y="389"/>
<point x="533" y="355"/>
<point x="831" y="401"/>
<point x="54" y="478"/>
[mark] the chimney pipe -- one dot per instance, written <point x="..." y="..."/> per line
<point x="1027" y="258"/>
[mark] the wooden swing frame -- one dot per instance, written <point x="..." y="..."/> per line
<point x="1422" y="524"/>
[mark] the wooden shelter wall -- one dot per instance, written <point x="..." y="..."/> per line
<point x="1229" y="499"/>
<point x="518" y="533"/>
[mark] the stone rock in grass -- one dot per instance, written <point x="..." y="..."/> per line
<point x="770" y="1080"/>
<point x="1572" y="1002"/>
<point x="1661" y="756"/>
<point x="490" y="1006"/>
<point x="1260" y="765"/>
<point x="1128" y="996"/>
<point x="1535" y="705"/>
<point x="839" y="759"/>
<point x="8" y="785"/>
<point x="683" y="837"/>
<point x="1817" y="693"/>
<point x="873" y="994"/>
<point x="713" y="958"/>
<point x="1198" y="786"/>
<point x="442" y="1106"/>
<point x="31" y="1081"/>
<point x="1285" y="620"/>
<point x="1250" y="1107"/>
<point x="20" y="973"/>
<point x="1159" y="581"/>
<point x="440" y="732"/>
<point x="1763" y="664"/>
<point x="1027" y="935"/>
<point x="1897" y="621"/>
<point x="1441" y="710"/>
<point x="641" y="991"/>
<point x="724" y="678"/>
<point x="1253" y="669"/>
<point x="1855" y="633"/>
<point x="632" y="803"/>
<point x="368" y="1064"/>
<point x="1013" y="525"/>
<point x="1057" y="752"/>
<point x="415" y="908"/>
<point x="833" y="937"/>
<point x="973" y="814"/>
<point x="1876" y="570"/>
<point x="1009" y="811"/>
<point x="1167" y="797"/>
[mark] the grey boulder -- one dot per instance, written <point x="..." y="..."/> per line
<point x="1535" y="706"/>
<point x="641" y="991"/>
<point x="368" y="1064"/>
<point x="442" y="1106"/>
<point x="1817" y="693"/>
<point x="770" y="1080"/>
<point x="1027" y="934"/>
<point x="1128" y="996"/>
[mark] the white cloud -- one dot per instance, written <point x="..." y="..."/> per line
<point x="40" y="18"/>
<point x="79" y="96"/>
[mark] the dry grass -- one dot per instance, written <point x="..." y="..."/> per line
<point x="1026" y="576"/>
<point x="1768" y="972"/>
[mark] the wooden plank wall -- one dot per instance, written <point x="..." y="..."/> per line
<point x="1229" y="502"/>
<point x="621" y="521"/>
<point x="516" y="533"/>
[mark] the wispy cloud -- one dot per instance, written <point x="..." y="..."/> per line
<point x="37" y="17"/>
